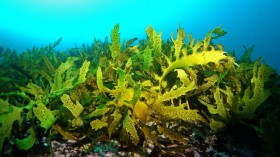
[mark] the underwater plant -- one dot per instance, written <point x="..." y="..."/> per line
<point x="155" y="93"/>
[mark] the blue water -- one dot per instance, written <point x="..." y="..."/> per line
<point x="28" y="23"/>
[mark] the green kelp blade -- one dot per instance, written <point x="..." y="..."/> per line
<point x="7" y="119"/>
<point x="44" y="115"/>
<point x="99" y="79"/>
<point x="129" y="126"/>
<point x="28" y="142"/>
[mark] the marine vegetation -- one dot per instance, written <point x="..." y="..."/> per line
<point x="146" y="96"/>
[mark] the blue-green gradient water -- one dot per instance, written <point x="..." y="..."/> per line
<point x="28" y="23"/>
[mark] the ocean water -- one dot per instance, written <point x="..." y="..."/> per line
<point x="28" y="23"/>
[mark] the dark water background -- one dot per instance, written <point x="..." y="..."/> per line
<point x="28" y="23"/>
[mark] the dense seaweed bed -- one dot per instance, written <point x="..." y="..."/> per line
<point x="149" y="97"/>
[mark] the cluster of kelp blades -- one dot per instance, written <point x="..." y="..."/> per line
<point x="154" y="92"/>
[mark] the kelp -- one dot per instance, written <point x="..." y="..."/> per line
<point x="246" y="57"/>
<point x="9" y="114"/>
<point x="136" y="94"/>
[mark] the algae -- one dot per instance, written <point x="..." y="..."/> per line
<point x="136" y="94"/>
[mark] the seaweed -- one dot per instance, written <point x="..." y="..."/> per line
<point x="156" y="93"/>
<point x="246" y="57"/>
